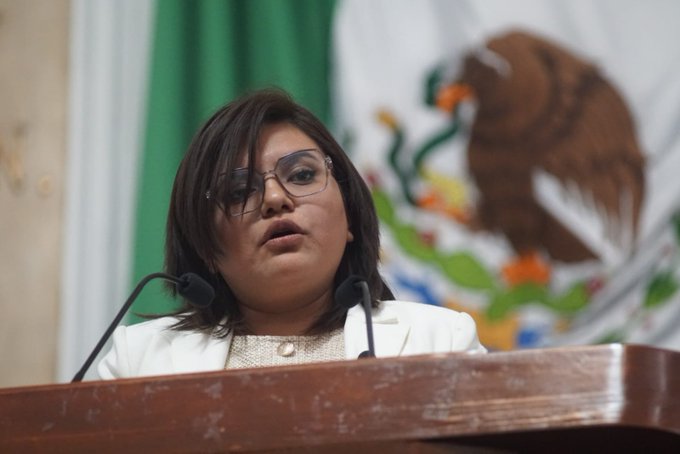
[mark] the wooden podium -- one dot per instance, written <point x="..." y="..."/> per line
<point x="612" y="398"/>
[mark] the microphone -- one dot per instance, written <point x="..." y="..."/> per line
<point x="194" y="288"/>
<point x="348" y="294"/>
<point x="191" y="286"/>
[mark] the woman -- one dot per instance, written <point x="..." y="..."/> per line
<point x="268" y="209"/>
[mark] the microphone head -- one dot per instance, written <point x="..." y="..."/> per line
<point x="349" y="294"/>
<point x="195" y="289"/>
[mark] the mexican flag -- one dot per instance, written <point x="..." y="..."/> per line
<point x="520" y="157"/>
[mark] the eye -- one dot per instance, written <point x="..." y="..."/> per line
<point x="239" y="194"/>
<point x="302" y="176"/>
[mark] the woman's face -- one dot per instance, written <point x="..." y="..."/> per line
<point x="282" y="257"/>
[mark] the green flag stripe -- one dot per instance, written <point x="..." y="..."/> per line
<point x="206" y="53"/>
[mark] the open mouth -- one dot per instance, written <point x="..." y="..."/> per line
<point x="281" y="233"/>
<point x="281" y="229"/>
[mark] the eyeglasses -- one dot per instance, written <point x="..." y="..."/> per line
<point x="300" y="174"/>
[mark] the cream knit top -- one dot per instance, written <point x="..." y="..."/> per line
<point x="248" y="351"/>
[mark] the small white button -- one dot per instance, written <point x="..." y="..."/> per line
<point x="286" y="349"/>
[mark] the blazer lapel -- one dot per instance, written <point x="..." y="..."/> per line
<point x="389" y="332"/>
<point x="199" y="352"/>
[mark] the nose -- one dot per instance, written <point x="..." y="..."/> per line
<point x="275" y="198"/>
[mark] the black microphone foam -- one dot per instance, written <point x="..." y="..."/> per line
<point x="349" y="294"/>
<point x="194" y="288"/>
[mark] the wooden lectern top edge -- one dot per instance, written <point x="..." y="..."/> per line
<point x="409" y="398"/>
<point x="609" y="350"/>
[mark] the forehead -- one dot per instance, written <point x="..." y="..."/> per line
<point x="276" y="141"/>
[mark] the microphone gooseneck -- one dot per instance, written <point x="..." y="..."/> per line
<point x="189" y="285"/>
<point x="353" y="290"/>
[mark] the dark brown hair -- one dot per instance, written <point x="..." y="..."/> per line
<point x="192" y="243"/>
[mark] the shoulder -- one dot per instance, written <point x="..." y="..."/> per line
<point x="153" y="326"/>
<point x="423" y="313"/>
<point x="138" y="347"/>
<point x="142" y="334"/>
<point x="149" y="327"/>
<point x="444" y="328"/>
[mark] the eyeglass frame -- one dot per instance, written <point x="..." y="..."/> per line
<point x="328" y="164"/>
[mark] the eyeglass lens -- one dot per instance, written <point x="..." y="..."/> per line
<point x="301" y="173"/>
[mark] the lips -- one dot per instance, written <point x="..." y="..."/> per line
<point x="279" y="229"/>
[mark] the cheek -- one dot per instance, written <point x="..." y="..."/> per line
<point x="335" y="226"/>
<point x="231" y="243"/>
<point x="223" y="229"/>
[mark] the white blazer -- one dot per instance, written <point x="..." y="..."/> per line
<point x="399" y="328"/>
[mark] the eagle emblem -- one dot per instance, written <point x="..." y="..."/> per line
<point x="552" y="150"/>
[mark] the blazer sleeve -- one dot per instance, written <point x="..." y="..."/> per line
<point x="138" y="349"/>
<point x="464" y="336"/>
<point x="115" y="363"/>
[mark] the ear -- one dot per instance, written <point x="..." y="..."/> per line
<point x="350" y="236"/>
